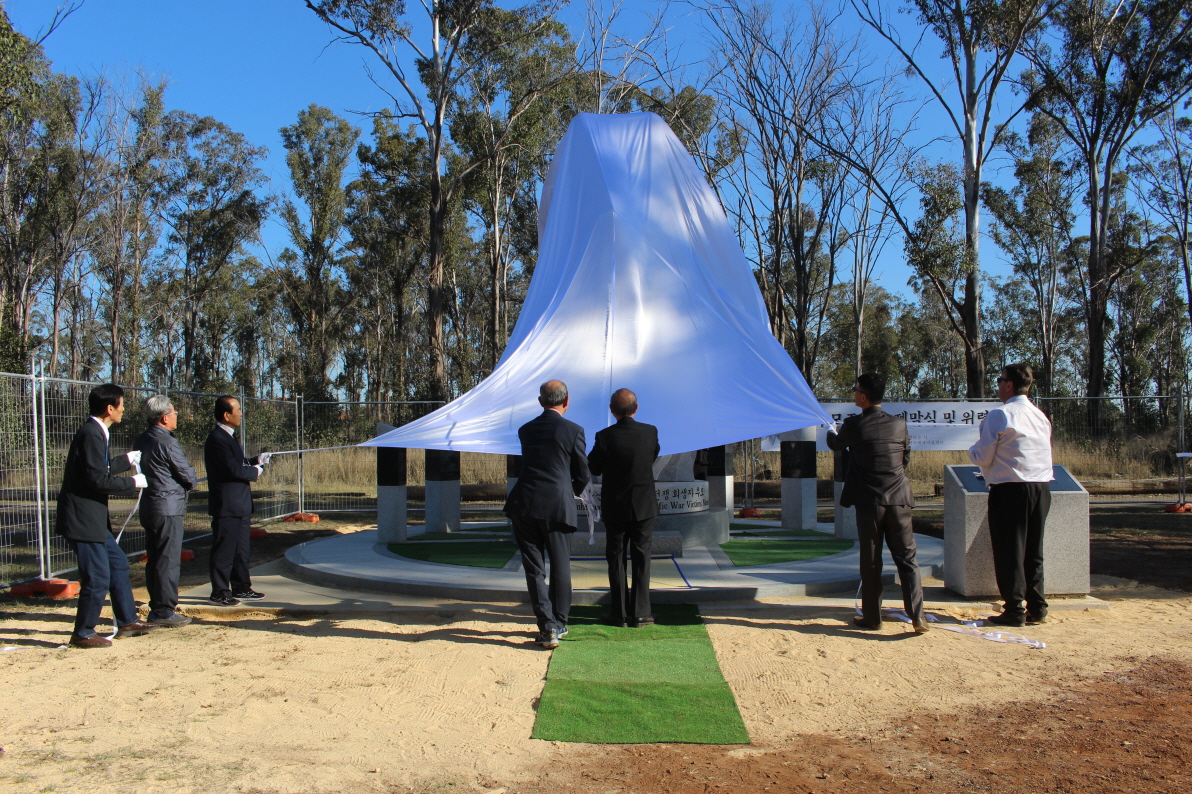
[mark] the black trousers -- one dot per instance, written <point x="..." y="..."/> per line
<point x="163" y="545"/>
<point x="891" y="523"/>
<point x="634" y="537"/>
<point x="539" y="540"/>
<point x="1017" y="514"/>
<point x="229" y="555"/>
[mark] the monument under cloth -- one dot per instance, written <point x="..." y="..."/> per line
<point x="640" y="283"/>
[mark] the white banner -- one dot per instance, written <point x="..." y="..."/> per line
<point x="932" y="425"/>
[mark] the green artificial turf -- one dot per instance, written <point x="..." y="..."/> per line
<point x="659" y="683"/>
<point x="478" y="554"/>
<point x="749" y="551"/>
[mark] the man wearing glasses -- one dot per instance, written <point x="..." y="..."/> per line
<point x="875" y="483"/>
<point x="1014" y="453"/>
<point x="163" y="505"/>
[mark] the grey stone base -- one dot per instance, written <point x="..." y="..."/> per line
<point x="663" y="543"/>
<point x="706" y="528"/>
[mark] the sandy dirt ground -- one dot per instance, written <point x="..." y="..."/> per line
<point x="445" y="702"/>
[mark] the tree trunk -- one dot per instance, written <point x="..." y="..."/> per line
<point x="974" y="355"/>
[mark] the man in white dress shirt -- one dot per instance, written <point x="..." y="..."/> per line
<point x="1014" y="453"/>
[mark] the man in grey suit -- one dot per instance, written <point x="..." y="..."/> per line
<point x="541" y="507"/>
<point x="163" y="505"/>
<point x="875" y="483"/>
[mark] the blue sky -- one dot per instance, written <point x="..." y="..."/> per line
<point x="254" y="64"/>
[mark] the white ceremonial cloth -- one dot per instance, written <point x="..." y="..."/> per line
<point x="640" y="283"/>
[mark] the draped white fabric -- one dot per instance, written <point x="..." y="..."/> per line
<point x="640" y="283"/>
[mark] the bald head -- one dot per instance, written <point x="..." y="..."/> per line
<point x="623" y="403"/>
<point x="553" y="394"/>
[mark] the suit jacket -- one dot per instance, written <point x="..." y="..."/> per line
<point x="228" y="475"/>
<point x="169" y="473"/>
<point x="879" y="450"/>
<point x="554" y="469"/>
<point x="624" y="455"/>
<point x="87" y="482"/>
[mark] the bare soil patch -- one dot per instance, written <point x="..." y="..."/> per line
<point x="1124" y="730"/>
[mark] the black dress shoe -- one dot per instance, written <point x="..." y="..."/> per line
<point x="868" y="625"/>
<point x="94" y="641"/>
<point x="637" y="623"/>
<point x="1035" y="618"/>
<point x="1007" y="619"/>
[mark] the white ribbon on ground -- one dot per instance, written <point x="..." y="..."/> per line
<point x="968" y="627"/>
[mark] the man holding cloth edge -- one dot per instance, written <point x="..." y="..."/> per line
<point x="875" y="483"/>
<point x="229" y="504"/>
<point x="163" y="506"/>
<point x="82" y="518"/>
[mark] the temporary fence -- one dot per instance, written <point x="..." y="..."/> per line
<point x="1125" y="449"/>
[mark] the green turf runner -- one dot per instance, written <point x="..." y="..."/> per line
<point x="659" y="683"/>
<point x="478" y="554"/>
<point x="755" y="551"/>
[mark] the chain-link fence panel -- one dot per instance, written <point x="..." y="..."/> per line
<point x="1119" y="448"/>
<point x="345" y="480"/>
<point x="64" y="409"/>
<point x="273" y="426"/>
<point x="22" y="513"/>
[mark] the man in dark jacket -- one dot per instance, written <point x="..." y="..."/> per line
<point x="163" y="504"/>
<point x="875" y="483"/>
<point x="624" y="455"/>
<point x="541" y="507"/>
<point x="82" y="518"/>
<point x="229" y="504"/>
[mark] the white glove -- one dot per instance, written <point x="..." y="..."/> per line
<point x="260" y="469"/>
<point x="134" y="457"/>
<point x="264" y="457"/>
<point x="140" y="480"/>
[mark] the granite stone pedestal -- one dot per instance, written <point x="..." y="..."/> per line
<point x="844" y="519"/>
<point x="799" y="505"/>
<point x="968" y="555"/>
<point x="392" y="513"/>
<point x="442" y="491"/>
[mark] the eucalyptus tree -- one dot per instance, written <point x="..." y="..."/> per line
<point x="506" y="120"/>
<point x="980" y="40"/>
<point x="775" y="76"/>
<point x="1110" y="71"/>
<point x="1033" y="224"/>
<point x="212" y="212"/>
<point x="319" y="147"/>
<point x="388" y="222"/>
<point x="463" y="35"/>
<point x="1163" y="174"/>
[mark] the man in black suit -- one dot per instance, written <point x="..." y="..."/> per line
<point x="229" y="504"/>
<point x="163" y="506"/>
<point x="541" y="507"/>
<point x="82" y="518"/>
<point x="875" y="483"/>
<point x="624" y="455"/>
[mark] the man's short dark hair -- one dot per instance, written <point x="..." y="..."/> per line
<point x="873" y="386"/>
<point x="623" y="403"/>
<point x="223" y="405"/>
<point x="552" y="393"/>
<point x="102" y="396"/>
<point x="1022" y="376"/>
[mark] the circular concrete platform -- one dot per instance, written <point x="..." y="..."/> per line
<point x="702" y="575"/>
